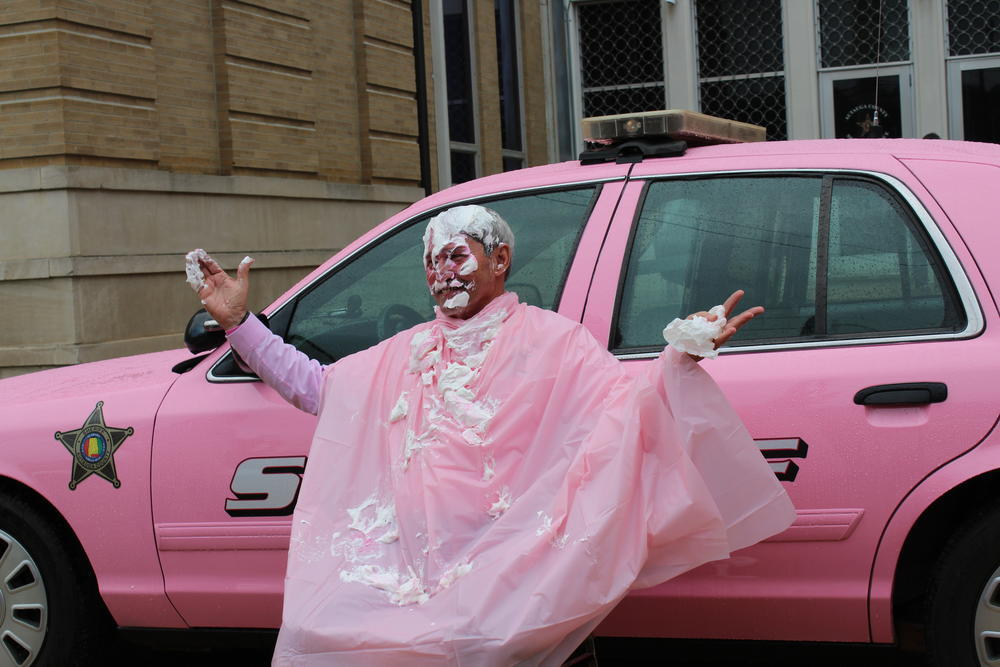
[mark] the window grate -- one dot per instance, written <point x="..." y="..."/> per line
<point x="741" y="62"/>
<point x="849" y="32"/>
<point x="621" y="57"/>
<point x="973" y="27"/>
<point x="739" y="37"/>
<point x="760" y="101"/>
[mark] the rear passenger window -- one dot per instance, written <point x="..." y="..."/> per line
<point x="881" y="275"/>
<point x="829" y="257"/>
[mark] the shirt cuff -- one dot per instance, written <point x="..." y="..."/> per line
<point x="237" y="325"/>
<point x="247" y="334"/>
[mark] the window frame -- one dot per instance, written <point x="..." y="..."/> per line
<point x="445" y="144"/>
<point x="919" y="216"/>
<point x="827" y="77"/>
<point x="281" y="311"/>
<point x="955" y="66"/>
<point x="700" y="80"/>
<point x="818" y="30"/>
<point x="521" y="153"/>
<point x="575" y="55"/>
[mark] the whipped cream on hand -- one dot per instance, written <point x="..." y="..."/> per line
<point x="195" y="276"/>
<point x="224" y="297"/>
<point x="697" y="335"/>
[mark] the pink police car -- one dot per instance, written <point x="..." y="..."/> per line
<point x="159" y="488"/>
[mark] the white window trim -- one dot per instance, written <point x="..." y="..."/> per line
<point x="518" y="44"/>
<point x="444" y="144"/>
<point x="819" y="44"/>
<point x="903" y="68"/>
<point x="827" y="77"/>
<point x="801" y="92"/>
<point x="956" y="65"/>
<point x="440" y="94"/>
<point x="475" y="148"/>
<point x="699" y="79"/>
<point x="575" y="74"/>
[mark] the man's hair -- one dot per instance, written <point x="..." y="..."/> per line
<point x="479" y="223"/>
<point x="497" y="231"/>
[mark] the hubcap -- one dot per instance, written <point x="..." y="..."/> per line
<point x="23" y="605"/>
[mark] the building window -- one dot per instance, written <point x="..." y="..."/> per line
<point x="973" y="27"/>
<point x="462" y="134"/>
<point x="511" y="139"/>
<point x="866" y="78"/>
<point x="849" y="32"/>
<point x="741" y="62"/>
<point x="621" y="57"/>
<point x="974" y="69"/>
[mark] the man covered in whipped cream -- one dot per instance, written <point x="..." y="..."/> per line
<point x="482" y="489"/>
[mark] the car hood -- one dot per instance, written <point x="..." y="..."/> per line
<point x="114" y="376"/>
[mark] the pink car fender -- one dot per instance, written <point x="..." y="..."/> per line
<point x="981" y="460"/>
<point x="102" y="494"/>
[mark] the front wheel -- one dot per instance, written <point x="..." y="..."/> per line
<point x="963" y="613"/>
<point x="49" y="614"/>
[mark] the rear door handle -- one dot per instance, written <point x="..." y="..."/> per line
<point x="904" y="393"/>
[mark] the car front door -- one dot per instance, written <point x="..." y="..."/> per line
<point x="860" y="379"/>
<point x="229" y="453"/>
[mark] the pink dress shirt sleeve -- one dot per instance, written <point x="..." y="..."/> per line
<point x="296" y="377"/>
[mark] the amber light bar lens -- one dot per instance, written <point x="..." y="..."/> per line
<point x="696" y="128"/>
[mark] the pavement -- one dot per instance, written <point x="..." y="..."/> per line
<point x="611" y="653"/>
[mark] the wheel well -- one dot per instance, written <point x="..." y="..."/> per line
<point x="12" y="487"/>
<point x="925" y="542"/>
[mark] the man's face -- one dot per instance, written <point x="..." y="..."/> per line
<point x="462" y="278"/>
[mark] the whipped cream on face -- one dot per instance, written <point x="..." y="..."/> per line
<point x="470" y="265"/>
<point x="455" y="227"/>
<point x="460" y="300"/>
<point x="445" y="227"/>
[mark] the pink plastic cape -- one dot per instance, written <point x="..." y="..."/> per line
<point x="484" y="492"/>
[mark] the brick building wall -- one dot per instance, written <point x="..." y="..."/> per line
<point x="133" y="130"/>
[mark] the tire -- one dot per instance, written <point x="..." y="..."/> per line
<point x="49" y="611"/>
<point x="963" y="612"/>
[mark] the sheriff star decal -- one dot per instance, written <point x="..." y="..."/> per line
<point x="93" y="447"/>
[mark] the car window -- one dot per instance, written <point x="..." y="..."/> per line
<point x="828" y="257"/>
<point x="882" y="277"/>
<point x="382" y="291"/>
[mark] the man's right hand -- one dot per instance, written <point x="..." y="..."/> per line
<point x="225" y="298"/>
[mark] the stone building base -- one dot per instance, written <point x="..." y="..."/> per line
<point x="92" y="258"/>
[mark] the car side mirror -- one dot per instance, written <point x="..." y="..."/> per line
<point x="203" y="333"/>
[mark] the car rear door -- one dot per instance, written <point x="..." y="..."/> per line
<point x="872" y="316"/>
<point x="229" y="453"/>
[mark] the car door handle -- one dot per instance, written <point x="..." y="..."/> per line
<point x="903" y="393"/>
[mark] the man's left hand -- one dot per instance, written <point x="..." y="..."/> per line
<point x="733" y="322"/>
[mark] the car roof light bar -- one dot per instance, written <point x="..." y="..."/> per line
<point x="630" y="137"/>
